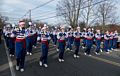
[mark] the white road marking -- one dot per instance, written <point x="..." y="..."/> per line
<point x="9" y="61"/>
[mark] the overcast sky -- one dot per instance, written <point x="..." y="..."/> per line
<point x="15" y="9"/>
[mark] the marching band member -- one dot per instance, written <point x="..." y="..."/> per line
<point x="55" y="36"/>
<point x="39" y="35"/>
<point x="89" y="41"/>
<point x="4" y="29"/>
<point x="35" y="34"/>
<point x="98" y="37"/>
<point x="12" y="42"/>
<point x="106" y="42"/>
<point x="84" y="39"/>
<point x="77" y="36"/>
<point x="29" y="39"/>
<point x="48" y="33"/>
<point x="6" y="32"/>
<point x="111" y="42"/>
<point x="44" y="46"/>
<point x="70" y="39"/>
<point x="58" y="30"/>
<point x="20" y="46"/>
<point x="51" y="35"/>
<point x="115" y="38"/>
<point x="61" y="40"/>
<point x="9" y="40"/>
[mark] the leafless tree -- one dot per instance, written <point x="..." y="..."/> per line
<point x="106" y="13"/>
<point x="70" y="10"/>
<point x="86" y="13"/>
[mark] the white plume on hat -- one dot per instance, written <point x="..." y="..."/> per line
<point x="34" y="24"/>
<point x="78" y="27"/>
<point x="84" y="28"/>
<point x="69" y="26"/>
<point x="45" y="25"/>
<point x="92" y="29"/>
<point x="30" y="23"/>
<point x="55" y="27"/>
<point x="13" y="25"/>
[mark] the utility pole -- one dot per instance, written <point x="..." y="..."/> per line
<point x="30" y="14"/>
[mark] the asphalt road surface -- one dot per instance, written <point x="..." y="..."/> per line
<point x="102" y="65"/>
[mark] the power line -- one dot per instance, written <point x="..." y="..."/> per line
<point x="25" y="14"/>
<point x="43" y="11"/>
<point x="73" y="11"/>
<point x="49" y="13"/>
<point x="30" y="10"/>
<point x="48" y="17"/>
<point x="43" y="4"/>
<point x="7" y="12"/>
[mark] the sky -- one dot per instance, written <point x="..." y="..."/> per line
<point x="16" y="9"/>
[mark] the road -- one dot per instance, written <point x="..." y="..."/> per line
<point x="102" y="65"/>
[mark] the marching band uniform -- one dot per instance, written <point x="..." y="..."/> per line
<point x="12" y="42"/>
<point x="115" y="38"/>
<point x="89" y="41"/>
<point x="55" y="37"/>
<point x="44" y="46"/>
<point x="16" y="41"/>
<point x="4" y="30"/>
<point x="106" y="41"/>
<point x="70" y="39"/>
<point x="111" y="41"/>
<point x="29" y="40"/>
<point x="51" y="35"/>
<point x="6" y="33"/>
<point x="20" y="46"/>
<point x="39" y="35"/>
<point x="84" y="39"/>
<point x="61" y="40"/>
<point x="77" y="36"/>
<point x="58" y="30"/>
<point x="35" y="34"/>
<point x="48" y="35"/>
<point x="98" y="37"/>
